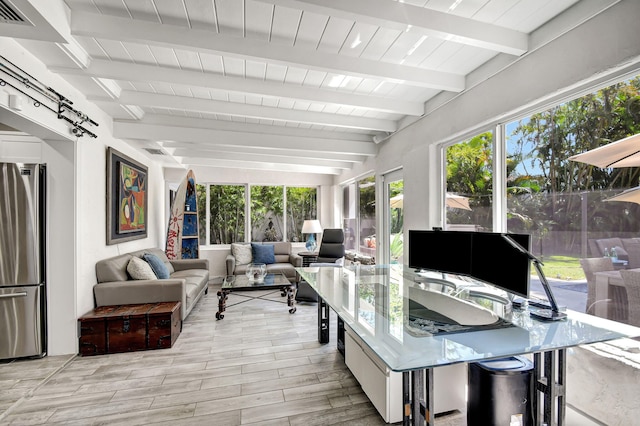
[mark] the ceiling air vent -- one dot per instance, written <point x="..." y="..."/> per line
<point x="9" y="14"/>
<point x="154" y="151"/>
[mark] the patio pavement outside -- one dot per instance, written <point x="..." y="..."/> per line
<point x="565" y="296"/>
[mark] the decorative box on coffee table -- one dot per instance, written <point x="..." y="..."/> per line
<point x="127" y="328"/>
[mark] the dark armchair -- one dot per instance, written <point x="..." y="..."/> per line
<point x="331" y="253"/>
<point x="332" y="246"/>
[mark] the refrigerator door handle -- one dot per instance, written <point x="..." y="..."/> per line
<point x="12" y="295"/>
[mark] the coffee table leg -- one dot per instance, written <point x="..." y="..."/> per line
<point x="291" y="301"/>
<point x="222" y="303"/>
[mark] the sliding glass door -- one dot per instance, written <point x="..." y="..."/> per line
<point x="393" y="218"/>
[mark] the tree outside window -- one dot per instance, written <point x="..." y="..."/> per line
<point x="302" y="204"/>
<point x="470" y="175"/>
<point x="267" y="213"/>
<point x="559" y="201"/>
<point x="226" y="213"/>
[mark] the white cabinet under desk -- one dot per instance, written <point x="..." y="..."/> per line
<point x="384" y="387"/>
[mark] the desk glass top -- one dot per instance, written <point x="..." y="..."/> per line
<point x="392" y="309"/>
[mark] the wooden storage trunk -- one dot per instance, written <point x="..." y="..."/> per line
<point x="164" y="325"/>
<point x="126" y="328"/>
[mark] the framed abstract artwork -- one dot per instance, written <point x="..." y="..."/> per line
<point x="126" y="198"/>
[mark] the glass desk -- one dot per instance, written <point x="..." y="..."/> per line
<point x="404" y="318"/>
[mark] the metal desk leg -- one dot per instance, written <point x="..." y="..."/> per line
<point x="550" y="380"/>
<point x="406" y="399"/>
<point x="417" y="394"/>
<point x="323" y="321"/>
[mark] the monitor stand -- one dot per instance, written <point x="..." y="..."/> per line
<point x="554" y="313"/>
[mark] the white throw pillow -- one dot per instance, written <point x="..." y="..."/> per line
<point x="242" y="253"/>
<point x="140" y="270"/>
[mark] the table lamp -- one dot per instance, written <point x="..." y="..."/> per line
<point x="311" y="227"/>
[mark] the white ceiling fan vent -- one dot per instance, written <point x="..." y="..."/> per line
<point x="9" y="14"/>
<point x="154" y="151"/>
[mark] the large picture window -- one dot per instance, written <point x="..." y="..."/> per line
<point x="224" y="221"/>
<point x="564" y="204"/>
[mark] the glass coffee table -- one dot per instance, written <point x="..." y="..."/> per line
<point x="276" y="281"/>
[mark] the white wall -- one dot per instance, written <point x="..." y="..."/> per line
<point x="77" y="204"/>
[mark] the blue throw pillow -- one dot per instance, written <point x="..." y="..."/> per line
<point x="157" y="265"/>
<point x="263" y="253"/>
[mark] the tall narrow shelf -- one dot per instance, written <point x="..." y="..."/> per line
<point x="183" y="234"/>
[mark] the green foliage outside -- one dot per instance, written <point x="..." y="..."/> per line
<point x="470" y="174"/>
<point x="302" y="204"/>
<point x="367" y="190"/>
<point x="227" y="212"/>
<point x="267" y="213"/>
<point x="396" y="224"/>
<point x="546" y="191"/>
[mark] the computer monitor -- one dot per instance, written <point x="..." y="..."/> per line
<point x="487" y="256"/>
<point x="442" y="251"/>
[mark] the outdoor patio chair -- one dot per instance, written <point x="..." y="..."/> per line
<point x="590" y="266"/>
<point x="631" y="281"/>
<point x="632" y="247"/>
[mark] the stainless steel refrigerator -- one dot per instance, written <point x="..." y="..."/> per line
<point x="22" y="260"/>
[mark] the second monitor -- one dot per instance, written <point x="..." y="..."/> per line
<point x="487" y="256"/>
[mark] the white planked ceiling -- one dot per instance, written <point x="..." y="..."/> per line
<point x="286" y="85"/>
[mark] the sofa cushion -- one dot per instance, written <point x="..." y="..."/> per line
<point x="138" y="269"/>
<point x="157" y="265"/>
<point x="113" y="269"/>
<point x="281" y="247"/>
<point x="160" y="254"/>
<point x="263" y="253"/>
<point x="242" y="253"/>
<point x="281" y="250"/>
<point x="197" y="274"/>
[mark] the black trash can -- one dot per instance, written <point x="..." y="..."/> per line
<point x="501" y="392"/>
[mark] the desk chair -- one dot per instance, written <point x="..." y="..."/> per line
<point x="331" y="253"/>
<point x="331" y="248"/>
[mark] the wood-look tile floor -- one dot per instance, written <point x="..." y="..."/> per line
<point x="260" y="365"/>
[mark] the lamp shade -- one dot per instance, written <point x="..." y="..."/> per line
<point x="311" y="227"/>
